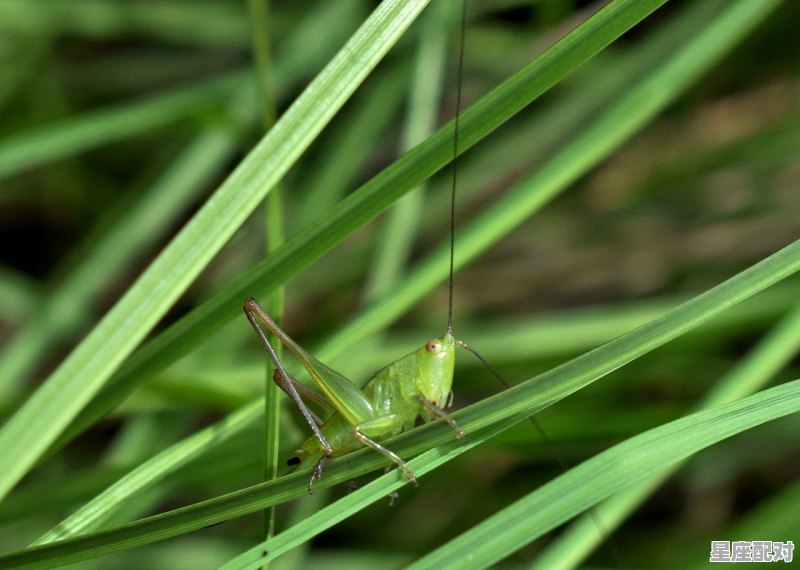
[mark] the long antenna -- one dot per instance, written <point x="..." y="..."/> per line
<point x="592" y="511"/>
<point x="459" y="82"/>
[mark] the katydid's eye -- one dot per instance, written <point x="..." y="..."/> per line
<point x="293" y="461"/>
<point x="432" y="346"/>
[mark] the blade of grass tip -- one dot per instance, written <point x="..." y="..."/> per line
<point x="274" y="237"/>
<point x="774" y="351"/>
<point x="622" y="118"/>
<point x="110" y="250"/>
<point x="612" y="470"/>
<point x="69" y="136"/>
<point x="39" y="422"/>
<point x="517" y="403"/>
<point x="358" y="208"/>
<point x="395" y="243"/>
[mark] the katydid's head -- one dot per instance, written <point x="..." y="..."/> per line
<point x="436" y="360"/>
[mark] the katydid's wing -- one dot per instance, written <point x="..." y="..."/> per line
<point x="348" y="399"/>
<point x="343" y="394"/>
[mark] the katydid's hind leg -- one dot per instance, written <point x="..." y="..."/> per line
<point x="316" y="475"/>
<point x="438" y="412"/>
<point x="380" y="425"/>
<point x="252" y="309"/>
<point x="304" y="391"/>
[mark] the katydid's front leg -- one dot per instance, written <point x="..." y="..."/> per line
<point x="438" y="412"/>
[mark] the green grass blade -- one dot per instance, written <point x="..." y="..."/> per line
<point x="511" y="406"/>
<point x="94" y="512"/>
<point x="397" y="239"/>
<point x="357" y="133"/>
<point x="88" y="517"/>
<point x="274" y="236"/>
<point x="755" y="370"/>
<point x="613" y="470"/>
<point x="67" y="307"/>
<point x="203" y="23"/>
<point x="372" y="198"/>
<point x="43" y="417"/>
<point x="51" y="141"/>
<point x="374" y="491"/>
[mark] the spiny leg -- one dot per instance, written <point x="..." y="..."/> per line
<point x="251" y="309"/>
<point x="440" y="413"/>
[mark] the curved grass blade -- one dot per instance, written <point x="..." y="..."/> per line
<point x="377" y="489"/>
<point x="53" y="406"/>
<point x="752" y="372"/>
<point x="96" y="511"/>
<point x="509" y="407"/>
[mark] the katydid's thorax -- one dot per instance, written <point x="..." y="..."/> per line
<point x="425" y="373"/>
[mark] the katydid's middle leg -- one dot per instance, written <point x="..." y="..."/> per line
<point x="378" y="425"/>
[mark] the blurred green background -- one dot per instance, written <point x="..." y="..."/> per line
<point x="117" y="119"/>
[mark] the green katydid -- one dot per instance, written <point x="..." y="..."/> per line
<point x="417" y="385"/>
